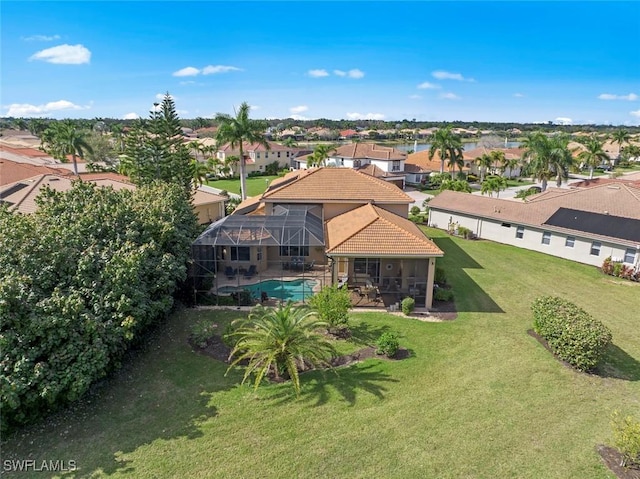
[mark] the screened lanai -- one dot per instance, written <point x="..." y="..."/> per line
<point x="239" y="251"/>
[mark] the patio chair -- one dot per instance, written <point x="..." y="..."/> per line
<point x="309" y="266"/>
<point x="230" y="273"/>
<point x="251" y="271"/>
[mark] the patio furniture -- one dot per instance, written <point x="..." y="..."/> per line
<point x="309" y="266"/>
<point x="230" y="273"/>
<point x="251" y="271"/>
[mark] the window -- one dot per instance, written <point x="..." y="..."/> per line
<point x="357" y="163"/>
<point x="294" y="251"/>
<point x="520" y="232"/>
<point x="506" y="225"/>
<point x="288" y="152"/>
<point x="258" y="155"/>
<point x="595" y="248"/>
<point x="266" y="155"/>
<point x="629" y="255"/>
<point x="395" y="165"/>
<point x="570" y="241"/>
<point x="259" y="254"/>
<point x="278" y="154"/>
<point x="546" y="237"/>
<point x="240" y="253"/>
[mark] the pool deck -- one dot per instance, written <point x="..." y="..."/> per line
<point x="320" y="274"/>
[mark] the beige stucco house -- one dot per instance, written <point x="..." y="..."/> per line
<point x="344" y="224"/>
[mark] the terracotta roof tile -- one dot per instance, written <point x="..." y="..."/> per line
<point x="369" y="150"/>
<point x="421" y="161"/>
<point x="370" y="230"/>
<point x="334" y="185"/>
<point x="12" y="171"/>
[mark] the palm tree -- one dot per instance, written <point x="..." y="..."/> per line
<point x="484" y="162"/>
<point x="447" y="144"/>
<point x="320" y="155"/>
<point x="235" y="131"/>
<point x="62" y="139"/>
<point x="537" y="154"/>
<point x="495" y="184"/>
<point x="620" y="137"/>
<point x="593" y="155"/>
<point x="280" y="341"/>
<point x="199" y="171"/>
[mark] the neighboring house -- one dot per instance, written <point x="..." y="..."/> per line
<point x="360" y="155"/>
<point x="584" y="224"/>
<point x="418" y="166"/>
<point x="20" y="195"/>
<point x="257" y="157"/>
<point x="12" y="171"/>
<point x="349" y="225"/>
<point x="348" y="134"/>
<point x="471" y="156"/>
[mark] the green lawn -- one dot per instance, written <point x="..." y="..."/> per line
<point x="478" y="398"/>
<point x="256" y="185"/>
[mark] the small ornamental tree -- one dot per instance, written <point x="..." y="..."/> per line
<point x="332" y="305"/>
<point x="408" y="305"/>
<point x="573" y="335"/>
<point x="626" y="438"/>
<point x="388" y="344"/>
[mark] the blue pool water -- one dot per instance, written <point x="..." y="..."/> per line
<point x="295" y="290"/>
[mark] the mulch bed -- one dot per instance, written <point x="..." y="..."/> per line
<point x="216" y="349"/>
<point x="445" y="310"/>
<point x="611" y="457"/>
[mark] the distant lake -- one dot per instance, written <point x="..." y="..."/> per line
<point x="467" y="146"/>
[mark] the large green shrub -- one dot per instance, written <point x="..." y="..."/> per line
<point x="80" y="281"/>
<point x="408" y="305"/>
<point x="332" y="305"/>
<point x="572" y="334"/>
<point x="626" y="438"/>
<point x="442" y="294"/>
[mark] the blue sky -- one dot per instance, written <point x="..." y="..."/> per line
<point x="576" y="62"/>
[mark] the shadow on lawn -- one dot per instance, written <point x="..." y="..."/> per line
<point x="364" y="334"/>
<point x="161" y="393"/>
<point x="468" y="296"/>
<point x="618" y="364"/>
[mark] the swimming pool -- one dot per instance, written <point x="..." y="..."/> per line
<point x="295" y="290"/>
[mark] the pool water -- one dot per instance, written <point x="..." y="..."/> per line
<point x="296" y="290"/>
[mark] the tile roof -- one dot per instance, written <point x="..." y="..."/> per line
<point x="420" y="160"/>
<point x="601" y="181"/>
<point x="370" y="230"/>
<point x="369" y="150"/>
<point x="12" y="171"/>
<point x="509" y="153"/>
<point x="334" y="185"/>
<point x="619" y="200"/>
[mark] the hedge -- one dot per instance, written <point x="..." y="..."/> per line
<point x="572" y="333"/>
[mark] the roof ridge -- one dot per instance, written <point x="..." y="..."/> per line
<point x="365" y="224"/>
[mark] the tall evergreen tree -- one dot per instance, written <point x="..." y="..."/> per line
<point x="155" y="150"/>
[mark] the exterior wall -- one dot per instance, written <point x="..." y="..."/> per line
<point x="531" y="238"/>
<point x="207" y="213"/>
<point x="387" y="165"/>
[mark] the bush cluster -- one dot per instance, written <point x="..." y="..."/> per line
<point x="620" y="270"/>
<point x="626" y="437"/>
<point x="408" y="305"/>
<point x="80" y="281"/>
<point x="388" y="344"/>
<point x="442" y="294"/>
<point x="572" y="334"/>
<point x="332" y="305"/>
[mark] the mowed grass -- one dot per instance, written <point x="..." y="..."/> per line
<point x="256" y="185"/>
<point x="478" y="398"/>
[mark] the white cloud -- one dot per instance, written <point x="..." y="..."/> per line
<point x="368" y="116"/>
<point x="355" y="73"/>
<point x="131" y="116"/>
<point x="609" y="96"/>
<point x="319" y="73"/>
<point x="298" y="117"/>
<point x="563" y="120"/>
<point x="160" y="96"/>
<point x="187" y="82"/>
<point x="186" y="72"/>
<point x="415" y="97"/>
<point x="449" y="96"/>
<point x="443" y="75"/>
<point x="254" y="107"/>
<point x="26" y="109"/>
<point x="635" y="113"/>
<point x="64" y="54"/>
<point x="41" y="38"/>
<point x="428" y="86"/>
<point x="214" y="69"/>
<point x="518" y="95"/>
<point x="182" y="112"/>
<point x="298" y="109"/>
